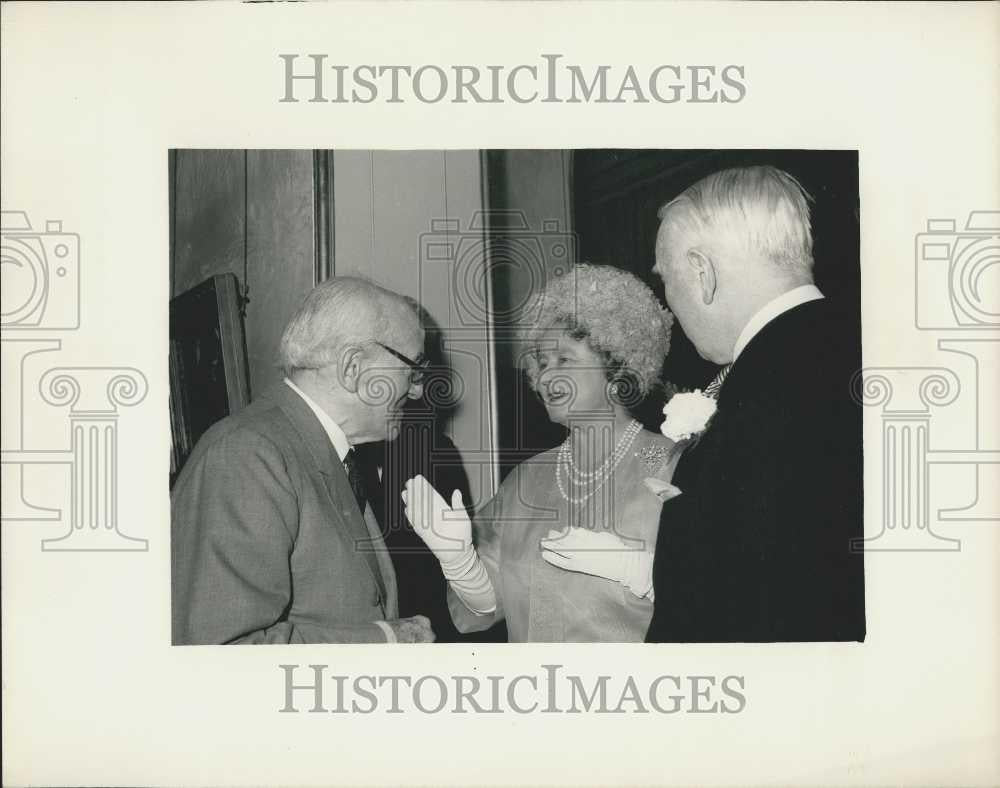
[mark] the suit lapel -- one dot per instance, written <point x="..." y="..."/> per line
<point x="366" y="543"/>
<point x="331" y="469"/>
<point x="390" y="592"/>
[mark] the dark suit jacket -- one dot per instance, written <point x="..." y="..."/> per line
<point x="267" y="542"/>
<point x="758" y="545"/>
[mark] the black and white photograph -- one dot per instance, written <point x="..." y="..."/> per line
<point x="499" y="393"/>
<point x="516" y="396"/>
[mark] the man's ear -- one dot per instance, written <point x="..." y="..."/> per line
<point x="705" y="269"/>
<point x="349" y="369"/>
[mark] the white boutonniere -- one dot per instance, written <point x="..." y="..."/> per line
<point x="687" y="414"/>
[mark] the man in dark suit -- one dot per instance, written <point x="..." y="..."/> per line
<point x="272" y="538"/>
<point x="758" y="545"/>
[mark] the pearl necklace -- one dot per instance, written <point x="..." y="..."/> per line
<point x="596" y="478"/>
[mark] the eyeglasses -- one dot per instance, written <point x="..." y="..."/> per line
<point x="418" y="368"/>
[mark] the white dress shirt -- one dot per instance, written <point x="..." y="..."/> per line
<point x="341" y="445"/>
<point x="770" y="310"/>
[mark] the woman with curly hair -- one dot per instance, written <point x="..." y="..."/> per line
<point x="564" y="550"/>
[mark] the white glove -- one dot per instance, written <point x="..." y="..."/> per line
<point x="603" y="554"/>
<point x="447" y="532"/>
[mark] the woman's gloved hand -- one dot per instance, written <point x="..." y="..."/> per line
<point x="446" y="530"/>
<point x="603" y="554"/>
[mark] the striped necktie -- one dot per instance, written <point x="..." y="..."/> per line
<point x="713" y="388"/>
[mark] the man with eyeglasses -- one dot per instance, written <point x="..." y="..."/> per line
<point x="273" y="539"/>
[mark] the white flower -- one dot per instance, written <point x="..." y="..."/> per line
<point x="687" y="414"/>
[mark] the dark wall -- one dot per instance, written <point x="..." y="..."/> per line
<point x="617" y="194"/>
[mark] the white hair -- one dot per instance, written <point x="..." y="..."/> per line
<point x="335" y="314"/>
<point x="760" y="208"/>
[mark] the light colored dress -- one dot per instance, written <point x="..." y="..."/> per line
<point x="541" y="602"/>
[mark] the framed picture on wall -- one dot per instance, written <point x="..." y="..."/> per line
<point x="209" y="375"/>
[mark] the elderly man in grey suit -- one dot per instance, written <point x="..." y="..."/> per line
<point x="272" y="539"/>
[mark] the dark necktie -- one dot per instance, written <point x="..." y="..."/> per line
<point x="356" y="476"/>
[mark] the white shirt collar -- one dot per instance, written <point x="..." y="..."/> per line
<point x="770" y="310"/>
<point x="337" y="437"/>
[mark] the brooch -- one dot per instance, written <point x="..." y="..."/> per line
<point x="652" y="456"/>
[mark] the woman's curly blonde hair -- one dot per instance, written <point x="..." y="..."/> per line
<point x="615" y="312"/>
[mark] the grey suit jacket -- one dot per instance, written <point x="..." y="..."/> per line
<point x="267" y="542"/>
